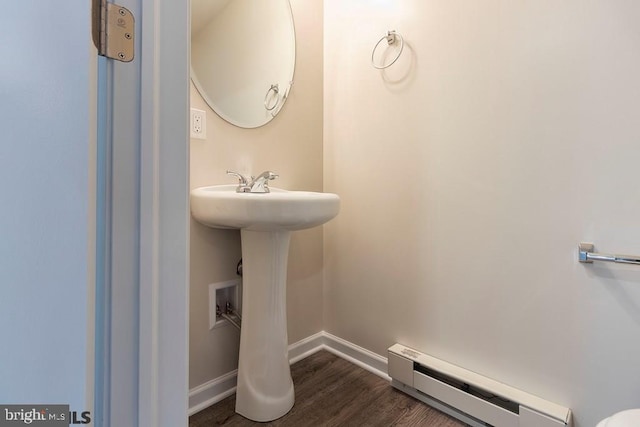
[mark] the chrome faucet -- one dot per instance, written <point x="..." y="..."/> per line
<point x="243" y="182"/>
<point x="260" y="184"/>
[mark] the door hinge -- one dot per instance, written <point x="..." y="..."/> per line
<point x="113" y="30"/>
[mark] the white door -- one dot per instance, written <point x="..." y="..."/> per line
<point x="94" y="214"/>
<point x="47" y="203"/>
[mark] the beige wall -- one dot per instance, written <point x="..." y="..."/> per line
<point x="470" y="170"/>
<point x="290" y="145"/>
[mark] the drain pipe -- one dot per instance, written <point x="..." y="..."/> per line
<point x="239" y="268"/>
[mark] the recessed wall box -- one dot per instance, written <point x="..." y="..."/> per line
<point x="219" y="294"/>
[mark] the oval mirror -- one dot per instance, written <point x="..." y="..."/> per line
<point x="243" y="57"/>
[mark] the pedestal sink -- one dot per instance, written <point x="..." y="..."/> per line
<point x="266" y="220"/>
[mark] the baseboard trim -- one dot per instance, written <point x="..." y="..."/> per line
<point x="211" y="392"/>
<point x="357" y="355"/>
<point x="306" y="347"/>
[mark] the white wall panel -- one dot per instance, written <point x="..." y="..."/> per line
<point x="469" y="171"/>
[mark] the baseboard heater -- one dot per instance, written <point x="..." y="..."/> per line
<point x="476" y="400"/>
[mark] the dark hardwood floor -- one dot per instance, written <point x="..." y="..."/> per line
<point x="333" y="392"/>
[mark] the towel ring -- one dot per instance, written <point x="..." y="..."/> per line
<point x="392" y="36"/>
<point x="276" y="91"/>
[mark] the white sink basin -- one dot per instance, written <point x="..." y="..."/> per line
<point x="264" y="389"/>
<point x="219" y="206"/>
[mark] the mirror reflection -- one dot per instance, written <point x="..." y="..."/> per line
<point x="243" y="57"/>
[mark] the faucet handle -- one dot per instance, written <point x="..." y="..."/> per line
<point x="243" y="183"/>
<point x="269" y="176"/>
<point x="261" y="183"/>
<point x="242" y="180"/>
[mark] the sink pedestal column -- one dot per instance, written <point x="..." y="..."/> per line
<point x="265" y="389"/>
